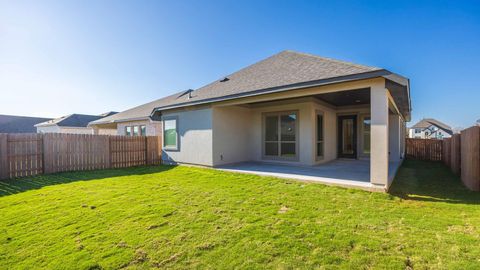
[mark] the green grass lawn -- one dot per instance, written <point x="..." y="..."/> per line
<point x="180" y="217"/>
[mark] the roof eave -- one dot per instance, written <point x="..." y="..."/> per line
<point x="94" y="123"/>
<point x="45" y="124"/>
<point x="333" y="80"/>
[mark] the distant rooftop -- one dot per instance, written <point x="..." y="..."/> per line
<point x="19" y="124"/>
<point x="75" y="120"/>
<point x="426" y="122"/>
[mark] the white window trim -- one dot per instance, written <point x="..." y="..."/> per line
<point x="177" y="146"/>
<point x="131" y="131"/>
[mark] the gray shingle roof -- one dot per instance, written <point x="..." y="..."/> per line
<point x="141" y="112"/>
<point x="19" y="124"/>
<point x="426" y="122"/>
<point x="74" y="120"/>
<point x="281" y="70"/>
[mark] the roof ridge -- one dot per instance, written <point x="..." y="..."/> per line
<point x="432" y="121"/>
<point x="294" y="52"/>
<point x="241" y="69"/>
<point x="331" y="59"/>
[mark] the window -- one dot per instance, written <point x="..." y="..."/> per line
<point x="366" y="123"/>
<point x="417" y="130"/>
<point x="170" y="134"/>
<point x="143" y="130"/>
<point x="319" y="135"/>
<point x="280" y="135"/>
<point x="128" y="131"/>
<point x="136" y="131"/>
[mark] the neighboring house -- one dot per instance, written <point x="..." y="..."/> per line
<point x="19" y="124"/>
<point x="132" y="122"/>
<point x="478" y="122"/>
<point x="291" y="109"/>
<point x="429" y="128"/>
<point x="74" y="124"/>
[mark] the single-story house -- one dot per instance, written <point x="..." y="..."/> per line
<point x="19" y="124"/>
<point x="74" y="124"/>
<point x="429" y="128"/>
<point x="293" y="112"/>
<point x="132" y="122"/>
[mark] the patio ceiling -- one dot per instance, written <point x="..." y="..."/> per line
<point x="346" y="98"/>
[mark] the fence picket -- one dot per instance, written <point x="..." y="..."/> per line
<point x="23" y="155"/>
<point x="424" y="149"/>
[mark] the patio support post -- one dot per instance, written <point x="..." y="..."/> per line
<point x="379" y="135"/>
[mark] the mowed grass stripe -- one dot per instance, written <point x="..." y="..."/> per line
<point x="182" y="217"/>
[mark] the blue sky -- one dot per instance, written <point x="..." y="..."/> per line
<point x="61" y="57"/>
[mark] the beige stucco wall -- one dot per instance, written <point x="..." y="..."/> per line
<point x="394" y="135"/>
<point x="153" y="128"/>
<point x="68" y="130"/>
<point x="231" y="134"/>
<point x="379" y="135"/>
<point x="105" y="131"/>
<point x="48" y="129"/>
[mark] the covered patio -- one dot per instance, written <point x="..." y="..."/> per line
<point x="339" y="172"/>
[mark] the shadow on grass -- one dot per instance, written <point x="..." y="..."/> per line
<point x="431" y="181"/>
<point x="14" y="186"/>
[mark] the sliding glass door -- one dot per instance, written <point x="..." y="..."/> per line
<point x="280" y="135"/>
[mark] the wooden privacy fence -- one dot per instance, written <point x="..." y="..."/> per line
<point x="470" y="159"/>
<point x="32" y="154"/>
<point x="424" y="149"/>
<point x="451" y="153"/>
<point x="461" y="153"/>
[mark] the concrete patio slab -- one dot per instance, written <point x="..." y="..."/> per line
<point x="340" y="172"/>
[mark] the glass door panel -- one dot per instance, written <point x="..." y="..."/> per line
<point x="347" y="136"/>
<point x="280" y="135"/>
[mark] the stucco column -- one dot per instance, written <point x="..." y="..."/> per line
<point x="379" y="135"/>
<point x="394" y="137"/>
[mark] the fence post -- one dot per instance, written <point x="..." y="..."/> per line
<point x="4" y="170"/>
<point x="42" y="147"/>
<point x="146" y="151"/>
<point x="109" y="152"/>
<point x="470" y="158"/>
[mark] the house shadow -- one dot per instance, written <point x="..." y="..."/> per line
<point x="431" y="182"/>
<point x="19" y="185"/>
